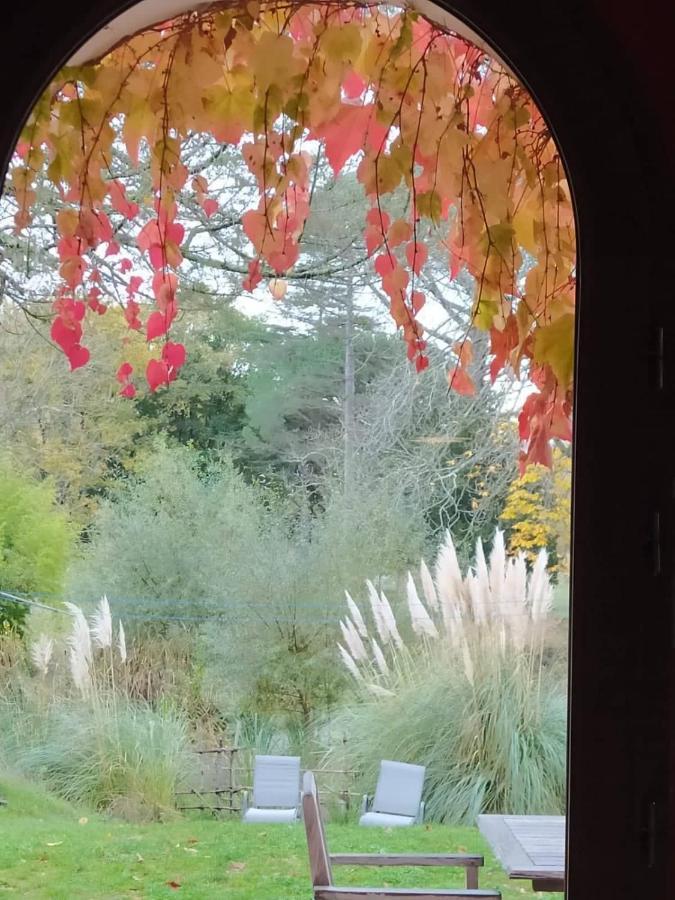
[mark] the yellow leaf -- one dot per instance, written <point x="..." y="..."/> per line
<point x="342" y="43"/>
<point x="429" y="204"/>
<point x="554" y="345"/>
<point x="272" y="60"/>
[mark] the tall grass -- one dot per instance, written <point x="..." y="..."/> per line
<point x="116" y="755"/>
<point x="81" y="728"/>
<point x="470" y="693"/>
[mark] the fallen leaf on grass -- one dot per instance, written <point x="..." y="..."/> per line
<point x="83" y="820"/>
<point x="192" y="840"/>
<point x="139" y="858"/>
<point x="190" y="850"/>
<point x="54" y="843"/>
<point x="173" y="884"/>
<point x="236" y="867"/>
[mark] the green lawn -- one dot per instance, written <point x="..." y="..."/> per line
<point x="51" y="850"/>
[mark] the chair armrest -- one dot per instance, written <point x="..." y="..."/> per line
<point x="364" y="804"/>
<point x="349" y="893"/>
<point x="420" y="814"/>
<point x="244" y="803"/>
<point x="465" y="860"/>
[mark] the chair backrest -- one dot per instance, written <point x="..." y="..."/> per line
<point x="399" y="788"/>
<point x="276" y="781"/>
<point x="319" y="859"/>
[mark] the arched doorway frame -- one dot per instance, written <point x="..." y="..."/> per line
<point x="621" y="625"/>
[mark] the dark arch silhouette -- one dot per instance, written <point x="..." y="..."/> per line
<point x="600" y="72"/>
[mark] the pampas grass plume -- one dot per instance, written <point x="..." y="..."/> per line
<point x="101" y="625"/>
<point x="122" y="642"/>
<point x="41" y="653"/>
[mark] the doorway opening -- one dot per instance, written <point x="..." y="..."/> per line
<point x="221" y="221"/>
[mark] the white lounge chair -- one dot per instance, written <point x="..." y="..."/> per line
<point x="276" y="791"/>
<point x="398" y="796"/>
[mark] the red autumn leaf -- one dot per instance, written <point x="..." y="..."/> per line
<point x="417" y="300"/>
<point x="421" y="363"/>
<point x="164" y="287"/>
<point x="417" y="255"/>
<point x="400" y="232"/>
<point x="131" y="311"/>
<point x="125" y="265"/>
<point x="285" y="259"/>
<point x="129" y="391"/>
<point x="561" y="420"/>
<point x="374" y="239"/>
<point x="134" y="283"/>
<point x="120" y="202"/>
<point x="398" y="311"/>
<point x="124" y="372"/>
<point x="254" y="276"/>
<point x="210" y="207"/>
<point x="70" y="310"/>
<point x="173" y="884"/>
<point x="65" y="336"/>
<point x="77" y="356"/>
<point x="501" y="344"/>
<point x="254" y="224"/>
<point x="174" y="355"/>
<point x="68" y="247"/>
<point x="158" y="256"/>
<point x="464" y="351"/>
<point x="174" y="233"/>
<point x="460" y="381"/>
<point x="531" y="407"/>
<point x="72" y="271"/>
<point x="379" y="218"/>
<point x="415" y="346"/>
<point x="158" y="324"/>
<point x="348" y="132"/>
<point x="157" y="374"/>
<point x="539" y="446"/>
<point x="395" y="282"/>
<point x="377" y="225"/>
<point x="455" y="265"/>
<point x="385" y="264"/>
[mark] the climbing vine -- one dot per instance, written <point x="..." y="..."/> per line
<point x="419" y="113"/>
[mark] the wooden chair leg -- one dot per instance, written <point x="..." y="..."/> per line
<point x="472" y="877"/>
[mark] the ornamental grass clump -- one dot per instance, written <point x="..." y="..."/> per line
<point x="470" y="693"/>
<point x="120" y="756"/>
<point x="85" y="733"/>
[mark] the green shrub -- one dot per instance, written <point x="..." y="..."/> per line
<point x="178" y="531"/>
<point x="35" y="540"/>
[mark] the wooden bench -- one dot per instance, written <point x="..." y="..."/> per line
<point x="321" y="863"/>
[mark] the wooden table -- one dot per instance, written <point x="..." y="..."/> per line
<point x="529" y="847"/>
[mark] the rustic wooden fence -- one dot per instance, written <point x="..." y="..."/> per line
<point x="221" y="774"/>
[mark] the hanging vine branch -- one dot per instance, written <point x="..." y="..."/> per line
<point x="417" y="108"/>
